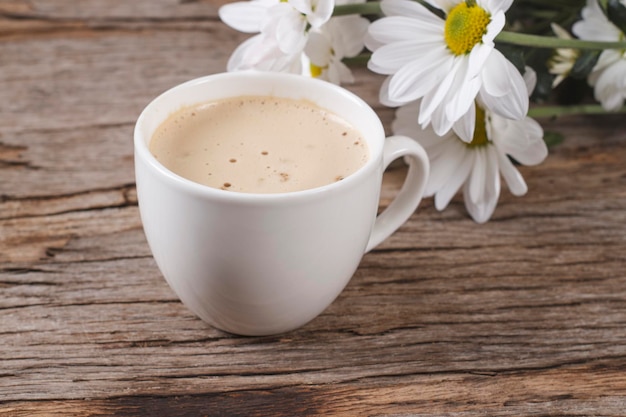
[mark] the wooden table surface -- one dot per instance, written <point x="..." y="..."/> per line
<point x="522" y="316"/>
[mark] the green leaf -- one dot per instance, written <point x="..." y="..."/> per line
<point x="552" y="138"/>
<point x="616" y="12"/>
<point x="584" y="64"/>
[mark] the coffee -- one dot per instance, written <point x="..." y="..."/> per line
<point x="259" y="144"/>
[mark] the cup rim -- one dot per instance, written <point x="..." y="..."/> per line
<point x="142" y="150"/>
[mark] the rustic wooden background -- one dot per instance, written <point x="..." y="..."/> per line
<point x="525" y="315"/>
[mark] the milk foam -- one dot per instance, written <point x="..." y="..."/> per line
<point x="259" y="144"/>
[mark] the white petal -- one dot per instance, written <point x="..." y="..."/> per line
<point x="450" y="188"/>
<point x="459" y="97"/>
<point x="480" y="213"/>
<point x="414" y="80"/>
<point x="483" y="189"/>
<point x="371" y="43"/>
<point x="284" y="63"/>
<point x="428" y="139"/>
<point x="496" y="74"/>
<point x="610" y="88"/>
<point x="290" y="35"/>
<point x="344" y="73"/>
<point x="595" y="26"/>
<point x="347" y="34"/>
<point x="463" y="99"/>
<point x="435" y="96"/>
<point x="492" y="175"/>
<point x="522" y="139"/>
<point x="512" y="177"/>
<point x="383" y="95"/>
<point x="494" y="27"/>
<point x="559" y="31"/>
<point x="238" y="59"/>
<point x="405" y="123"/>
<point x="322" y="11"/>
<point x="292" y="63"/>
<point x="245" y="16"/>
<point x="530" y="79"/>
<point x="437" y="146"/>
<point x="251" y="52"/>
<point x="464" y="127"/>
<point x="444" y="166"/>
<point x="302" y="6"/>
<point x="477" y="58"/>
<point x="261" y="53"/>
<point x="405" y="120"/>
<point x="477" y="179"/>
<point x="503" y="89"/>
<point x="402" y="28"/>
<point x="390" y="58"/>
<point x="410" y="9"/>
<point x="495" y="5"/>
<point x="318" y="49"/>
<point x="440" y="123"/>
<point x="607" y="58"/>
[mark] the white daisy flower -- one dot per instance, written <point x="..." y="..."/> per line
<point x="341" y="37"/>
<point x="608" y="77"/>
<point x="284" y="28"/>
<point x="446" y="62"/>
<point x="478" y="165"/>
<point x="563" y="60"/>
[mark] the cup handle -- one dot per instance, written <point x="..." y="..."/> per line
<point x="410" y="195"/>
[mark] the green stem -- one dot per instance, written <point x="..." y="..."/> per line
<point x="537" y="41"/>
<point x="555" y="111"/>
<point x="370" y="7"/>
<point x="360" y="59"/>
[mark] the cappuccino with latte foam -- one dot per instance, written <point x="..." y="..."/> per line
<point x="259" y="144"/>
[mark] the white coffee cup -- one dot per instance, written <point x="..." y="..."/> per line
<point x="260" y="264"/>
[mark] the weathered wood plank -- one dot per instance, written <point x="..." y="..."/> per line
<point x="429" y="324"/>
<point x="524" y="315"/>
<point x="541" y="392"/>
<point x="97" y="10"/>
<point x="544" y="307"/>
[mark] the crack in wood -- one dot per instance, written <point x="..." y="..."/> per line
<point x="24" y="270"/>
<point x="125" y="191"/>
<point x="11" y="284"/>
<point x="73" y="128"/>
<point x="19" y="164"/>
<point x="87" y="210"/>
<point x="122" y="188"/>
<point x="88" y="304"/>
<point x="56" y="20"/>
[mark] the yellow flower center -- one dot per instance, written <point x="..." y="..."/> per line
<point x="480" y="130"/>
<point x="465" y="26"/>
<point x="315" y="70"/>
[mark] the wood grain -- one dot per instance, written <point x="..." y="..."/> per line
<point x="525" y="315"/>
